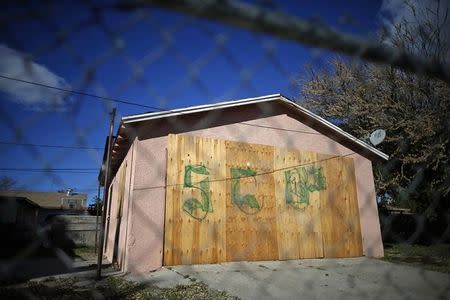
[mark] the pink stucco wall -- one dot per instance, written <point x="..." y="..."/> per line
<point x="144" y="246"/>
<point x="146" y="222"/>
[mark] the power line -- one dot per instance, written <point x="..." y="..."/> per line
<point x="115" y="100"/>
<point x="55" y="169"/>
<point x="50" y="146"/>
<point x="279" y="128"/>
<point x="82" y="93"/>
<point x="61" y="170"/>
<point x="93" y="95"/>
<point x="120" y="101"/>
<point x="258" y="174"/>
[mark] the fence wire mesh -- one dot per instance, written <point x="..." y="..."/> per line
<point x="65" y="65"/>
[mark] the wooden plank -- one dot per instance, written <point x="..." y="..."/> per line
<point x="200" y="237"/>
<point x="187" y="159"/>
<point x="315" y="215"/>
<point x="177" y="191"/>
<point x="213" y="227"/>
<point x="329" y="208"/>
<point x="308" y="215"/>
<point x="353" y="227"/>
<point x="176" y="206"/>
<point x="206" y="228"/>
<point x="286" y="235"/>
<point x="220" y="187"/>
<point x="170" y="197"/>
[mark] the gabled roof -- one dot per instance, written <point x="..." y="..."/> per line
<point x="334" y="132"/>
<point x="44" y="199"/>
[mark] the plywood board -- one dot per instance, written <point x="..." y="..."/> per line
<point x="231" y="201"/>
<point x="298" y="203"/>
<point x="340" y="218"/>
<point x="250" y="225"/>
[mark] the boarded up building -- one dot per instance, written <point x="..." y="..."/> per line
<point x="253" y="179"/>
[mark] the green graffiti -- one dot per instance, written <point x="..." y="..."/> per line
<point x="302" y="181"/>
<point x="191" y="205"/>
<point x="247" y="203"/>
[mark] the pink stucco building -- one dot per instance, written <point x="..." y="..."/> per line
<point x="134" y="232"/>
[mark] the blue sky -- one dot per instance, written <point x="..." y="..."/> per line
<point x="138" y="56"/>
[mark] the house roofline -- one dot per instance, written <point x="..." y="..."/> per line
<point x="236" y="103"/>
<point x="198" y="108"/>
<point x="335" y="128"/>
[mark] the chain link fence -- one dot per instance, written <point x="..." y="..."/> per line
<point x="65" y="66"/>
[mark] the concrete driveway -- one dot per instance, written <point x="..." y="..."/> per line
<point x="350" y="278"/>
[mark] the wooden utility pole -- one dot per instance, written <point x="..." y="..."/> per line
<point x="106" y="185"/>
<point x="97" y="210"/>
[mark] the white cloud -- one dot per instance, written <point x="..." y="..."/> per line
<point x="397" y="10"/>
<point x="17" y="65"/>
<point x="394" y="12"/>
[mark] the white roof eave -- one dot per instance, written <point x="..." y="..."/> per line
<point x="199" y="108"/>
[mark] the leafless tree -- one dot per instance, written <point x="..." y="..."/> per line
<point x="362" y="97"/>
<point x="7" y="183"/>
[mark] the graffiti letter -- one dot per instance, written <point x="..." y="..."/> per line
<point x="248" y="200"/>
<point x="300" y="182"/>
<point x="192" y="204"/>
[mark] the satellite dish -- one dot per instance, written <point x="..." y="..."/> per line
<point x="377" y="136"/>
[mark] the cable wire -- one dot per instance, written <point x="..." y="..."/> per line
<point x="51" y="146"/>
<point x="81" y="93"/>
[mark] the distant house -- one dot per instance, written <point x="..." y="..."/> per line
<point x="32" y="208"/>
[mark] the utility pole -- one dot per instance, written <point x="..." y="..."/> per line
<point x="97" y="208"/>
<point x="106" y="186"/>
